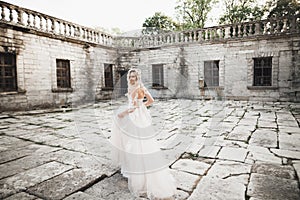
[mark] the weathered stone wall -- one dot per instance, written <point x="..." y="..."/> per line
<point x="184" y="67"/>
<point x="36" y="70"/>
<point x="38" y="40"/>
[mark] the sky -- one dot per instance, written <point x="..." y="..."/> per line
<point x="127" y="15"/>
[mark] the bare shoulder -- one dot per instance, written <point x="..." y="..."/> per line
<point x="141" y="93"/>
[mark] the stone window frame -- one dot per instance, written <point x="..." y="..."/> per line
<point x="221" y="73"/>
<point x="211" y="65"/>
<point x="20" y="81"/>
<point x="13" y="87"/>
<point x="162" y="83"/>
<point x="250" y="70"/>
<point x="55" y="87"/>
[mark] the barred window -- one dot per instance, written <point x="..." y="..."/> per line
<point x="211" y="73"/>
<point x="262" y="71"/>
<point x="157" y="75"/>
<point x="108" y="75"/>
<point x="63" y="73"/>
<point x="8" y="72"/>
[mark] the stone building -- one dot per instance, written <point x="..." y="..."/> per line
<point x="50" y="62"/>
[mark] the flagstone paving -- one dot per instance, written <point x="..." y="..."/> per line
<point x="215" y="149"/>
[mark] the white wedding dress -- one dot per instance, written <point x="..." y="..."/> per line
<point x="136" y="150"/>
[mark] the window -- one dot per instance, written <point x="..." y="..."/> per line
<point x="262" y="71"/>
<point x="211" y="73"/>
<point x="157" y="75"/>
<point x="8" y="74"/>
<point x="63" y="73"/>
<point x="108" y="75"/>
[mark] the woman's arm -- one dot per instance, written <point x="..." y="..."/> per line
<point x="150" y="99"/>
<point x="126" y="112"/>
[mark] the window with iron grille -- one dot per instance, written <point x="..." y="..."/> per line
<point x="8" y="72"/>
<point x="63" y="73"/>
<point x="211" y="73"/>
<point x="158" y="75"/>
<point x="262" y="71"/>
<point x="108" y="75"/>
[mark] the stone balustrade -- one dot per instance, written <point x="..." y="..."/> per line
<point x="15" y="15"/>
<point x="268" y="27"/>
<point x="18" y="16"/>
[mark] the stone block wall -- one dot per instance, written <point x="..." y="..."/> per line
<point x="36" y="70"/>
<point x="184" y="68"/>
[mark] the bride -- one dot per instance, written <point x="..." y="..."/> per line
<point x="135" y="148"/>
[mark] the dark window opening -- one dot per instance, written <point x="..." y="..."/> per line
<point x="108" y="75"/>
<point x="8" y="72"/>
<point x="262" y="71"/>
<point x="211" y="73"/>
<point x="157" y="75"/>
<point x="63" y="73"/>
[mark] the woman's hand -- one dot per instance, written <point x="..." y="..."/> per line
<point x="121" y="115"/>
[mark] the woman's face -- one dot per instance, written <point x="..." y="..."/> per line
<point x="132" y="78"/>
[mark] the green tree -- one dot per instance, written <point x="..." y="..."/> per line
<point x="237" y="11"/>
<point x="193" y="13"/>
<point x="159" y="23"/>
<point x="280" y="8"/>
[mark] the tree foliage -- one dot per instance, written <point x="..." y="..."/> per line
<point x="159" y="23"/>
<point x="193" y="13"/>
<point x="237" y="11"/>
<point x="282" y="8"/>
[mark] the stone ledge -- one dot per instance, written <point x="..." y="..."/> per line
<point x="159" y="88"/>
<point x="262" y="87"/>
<point x="57" y="90"/>
<point x="17" y="92"/>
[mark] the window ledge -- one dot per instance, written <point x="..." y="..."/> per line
<point x="213" y="88"/>
<point x="19" y="91"/>
<point x="159" y="88"/>
<point x="262" y="87"/>
<point x="57" y="90"/>
<point x="107" y="88"/>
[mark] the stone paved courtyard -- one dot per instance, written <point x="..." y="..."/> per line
<point x="231" y="150"/>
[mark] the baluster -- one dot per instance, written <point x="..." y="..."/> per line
<point x="95" y="36"/>
<point x="34" y="20"/>
<point x="176" y="37"/>
<point x="265" y="28"/>
<point x="65" y="28"/>
<point x="284" y="28"/>
<point x="200" y="36"/>
<point x="20" y="16"/>
<point x="226" y="32"/>
<point x="83" y="33"/>
<point x="52" y="26"/>
<point x="234" y="31"/>
<point x="68" y="28"/>
<point x="212" y="34"/>
<point x="257" y="29"/>
<point x="41" y="22"/>
<point x="28" y="19"/>
<point x="272" y="27"/>
<point x="217" y="33"/>
<point x="2" y="13"/>
<point x="11" y="17"/>
<point x="239" y="30"/>
<point x="189" y="36"/>
<point x="59" y="27"/>
<point x="206" y="37"/>
<point x="246" y="30"/>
